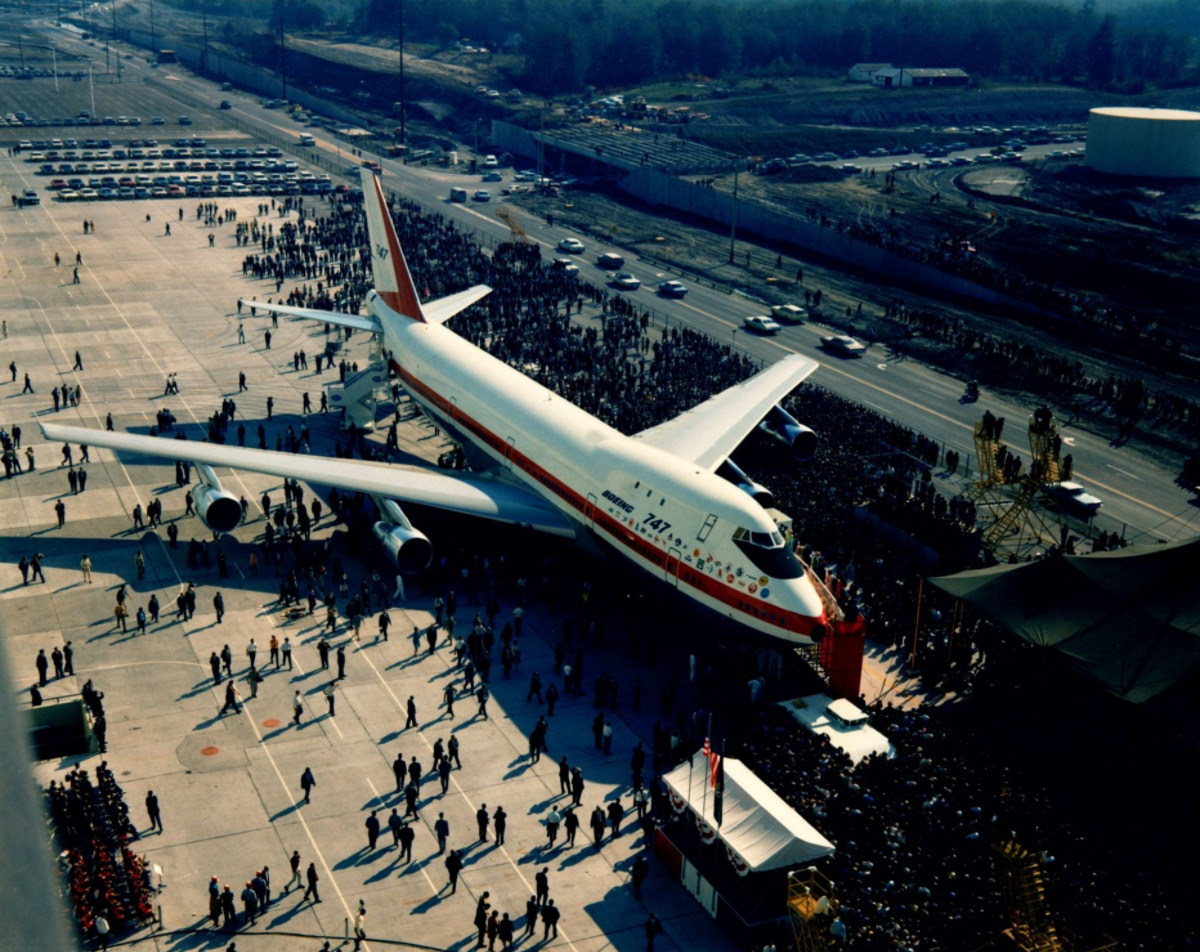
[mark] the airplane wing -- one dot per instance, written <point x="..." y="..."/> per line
<point x="358" y="322"/>
<point x="441" y="310"/>
<point x="709" y="432"/>
<point x="464" y="493"/>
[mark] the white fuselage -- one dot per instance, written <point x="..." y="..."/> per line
<point x="666" y="515"/>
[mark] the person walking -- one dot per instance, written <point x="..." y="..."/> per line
<point x="443" y="771"/>
<point x="553" y="819"/>
<point x="482" y="696"/>
<point x="407" y="836"/>
<point x="308" y="781"/>
<point x="570" y="825"/>
<point x="411" y="708"/>
<point x="219" y="608"/>
<point x="541" y="882"/>
<point x="360" y="924"/>
<point x="294" y="862"/>
<point x="637" y="875"/>
<point x="231" y="698"/>
<point x="297" y="708"/>
<point x="598" y="825"/>
<point x="214" y="662"/>
<point x="313" y="879"/>
<point x="533" y="909"/>
<point x="616" y="812"/>
<point x="448" y="694"/>
<point x="452" y="751"/>
<point x="653" y="928"/>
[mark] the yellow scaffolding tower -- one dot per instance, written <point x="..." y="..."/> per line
<point x="505" y="214"/>
<point x="812" y="910"/>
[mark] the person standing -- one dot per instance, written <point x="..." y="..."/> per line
<point x="550" y="917"/>
<point x="454" y="865"/>
<point x="448" y="694"/>
<point x="452" y="751"/>
<point x="542" y="883"/>
<point x="505" y="932"/>
<point x="372" y="825"/>
<point x="286" y="650"/>
<point x="481" y="819"/>
<point x="341" y="662"/>
<point x="153" y="811"/>
<point x="360" y="927"/>
<point x="481" y="917"/>
<point x="308" y="781"/>
<point x="219" y="607"/>
<point x="214" y="662"/>
<point x="532" y="910"/>
<point x="331" y="696"/>
<point x="482" y="696"/>
<point x="442" y="830"/>
<point x="85" y="566"/>
<point x="637" y="875"/>
<point x="653" y="928"/>
<point x="297" y="708"/>
<point x="407" y="836"/>
<point x="570" y="825"/>
<point x="616" y="812"/>
<point x="598" y="825"/>
<point x="500" y="824"/>
<point x="553" y="819"/>
<point x="60" y="510"/>
<point x="443" y="771"/>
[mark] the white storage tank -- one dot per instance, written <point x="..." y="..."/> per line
<point x="1158" y="143"/>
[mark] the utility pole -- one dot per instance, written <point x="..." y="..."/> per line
<point x="153" y="33"/>
<point x="282" y="55"/>
<point x="733" y="218"/>
<point x="204" y="52"/>
<point x="400" y="52"/>
<point x="114" y="36"/>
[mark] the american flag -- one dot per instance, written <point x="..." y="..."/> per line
<point x="714" y="762"/>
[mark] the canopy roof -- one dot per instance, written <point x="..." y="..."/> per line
<point x="1128" y="619"/>
<point x="756" y="824"/>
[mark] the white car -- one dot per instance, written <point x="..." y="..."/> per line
<point x="672" y="289"/>
<point x="566" y="265"/>
<point x="1072" y="495"/>
<point x="482" y="195"/>
<point x="625" y="282"/>
<point x="491" y="162"/>
<point x="761" y="324"/>
<point x="571" y="245"/>
<point x="843" y="346"/>
<point x="789" y="313"/>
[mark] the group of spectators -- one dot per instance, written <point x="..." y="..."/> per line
<point x="912" y="865"/>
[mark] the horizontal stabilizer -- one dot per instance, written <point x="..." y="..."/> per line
<point x="358" y="322"/>
<point x="445" y="308"/>
<point x="455" y="492"/>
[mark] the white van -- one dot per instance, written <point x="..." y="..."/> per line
<point x="306" y="138"/>
<point x="458" y="194"/>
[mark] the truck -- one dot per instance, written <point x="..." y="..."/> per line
<point x="306" y="138"/>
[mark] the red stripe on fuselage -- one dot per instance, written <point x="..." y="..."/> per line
<point x="618" y="532"/>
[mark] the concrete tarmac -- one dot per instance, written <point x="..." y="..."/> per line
<point x="146" y="306"/>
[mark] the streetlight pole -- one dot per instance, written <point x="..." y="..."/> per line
<point x="400" y="53"/>
<point x="733" y="218"/>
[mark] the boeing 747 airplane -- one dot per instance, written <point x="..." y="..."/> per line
<point x="669" y="500"/>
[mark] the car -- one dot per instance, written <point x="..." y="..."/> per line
<point x="226" y="104"/>
<point x="68" y="195"/>
<point x="481" y="195"/>
<point x="30" y="197"/>
<point x="878" y="153"/>
<point x="566" y="265"/>
<point x="158" y="121"/>
<point x="1071" y="495"/>
<point x="572" y="246"/>
<point x="624" y="281"/>
<point x="493" y="177"/>
<point x="185" y="120"/>
<point x="761" y="324"/>
<point x="610" y="261"/>
<point x="491" y="162"/>
<point x="789" y="313"/>
<point x="843" y="346"/>
<point x="672" y="289"/>
<point x="850" y="168"/>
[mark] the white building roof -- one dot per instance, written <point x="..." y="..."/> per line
<point x="756" y="824"/>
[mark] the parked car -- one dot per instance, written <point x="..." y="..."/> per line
<point x="624" y="281"/>
<point x="672" y="289"/>
<point x="843" y="346"/>
<point x="1073" y="496"/>
<point x="761" y="324"/>
<point x="571" y="245"/>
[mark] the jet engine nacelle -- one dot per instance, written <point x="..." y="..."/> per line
<point x="217" y="509"/>
<point x="735" y="474"/>
<point x="409" y="548"/>
<point x="793" y="434"/>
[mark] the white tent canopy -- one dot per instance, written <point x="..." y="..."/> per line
<point x="757" y="825"/>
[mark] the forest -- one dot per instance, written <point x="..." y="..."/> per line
<point x="561" y="46"/>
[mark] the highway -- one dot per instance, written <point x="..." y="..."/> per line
<point x="1141" y="500"/>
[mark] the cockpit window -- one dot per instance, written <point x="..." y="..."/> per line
<point x="769" y="553"/>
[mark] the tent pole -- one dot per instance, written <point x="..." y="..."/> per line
<point x="912" y="658"/>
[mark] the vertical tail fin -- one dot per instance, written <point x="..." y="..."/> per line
<point x="393" y="282"/>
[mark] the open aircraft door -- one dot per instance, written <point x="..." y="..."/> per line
<point x="589" y="511"/>
<point x="509" y="449"/>
<point x="671" y="569"/>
